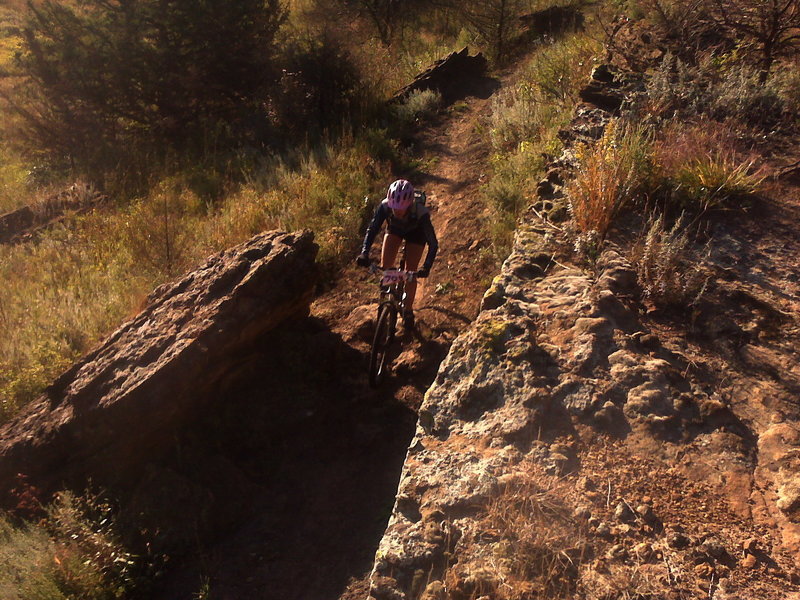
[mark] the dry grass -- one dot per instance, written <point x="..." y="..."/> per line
<point x="75" y="284"/>
<point x="540" y="546"/>
<point x="525" y="120"/>
<point x="72" y="552"/>
<point x="670" y="272"/>
<point x="700" y="166"/>
<point x="611" y="173"/>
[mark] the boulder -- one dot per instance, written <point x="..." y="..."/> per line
<point x="121" y="403"/>
<point x="453" y="77"/>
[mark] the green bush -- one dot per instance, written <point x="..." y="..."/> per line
<point x="72" y="553"/>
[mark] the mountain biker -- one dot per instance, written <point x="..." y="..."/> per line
<point x="406" y="220"/>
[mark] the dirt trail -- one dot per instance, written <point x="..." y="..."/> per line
<point x="317" y="477"/>
<point x="456" y="155"/>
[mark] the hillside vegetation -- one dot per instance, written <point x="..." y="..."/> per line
<point x="205" y="123"/>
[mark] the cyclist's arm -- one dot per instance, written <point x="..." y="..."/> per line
<point x="430" y="237"/>
<point x="381" y="214"/>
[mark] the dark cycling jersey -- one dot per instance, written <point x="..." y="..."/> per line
<point x="414" y="228"/>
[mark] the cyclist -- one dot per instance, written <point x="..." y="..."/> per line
<point x="407" y="220"/>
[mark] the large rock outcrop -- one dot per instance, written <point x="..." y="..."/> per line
<point x="574" y="446"/>
<point x="119" y="405"/>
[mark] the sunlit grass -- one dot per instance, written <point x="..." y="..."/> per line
<point x="71" y="287"/>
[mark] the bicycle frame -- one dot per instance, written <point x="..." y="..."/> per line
<point x="391" y="303"/>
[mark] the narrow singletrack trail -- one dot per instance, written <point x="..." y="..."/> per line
<point x="454" y="151"/>
<point x="319" y="474"/>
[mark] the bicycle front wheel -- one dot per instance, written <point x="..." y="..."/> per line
<point x="384" y="335"/>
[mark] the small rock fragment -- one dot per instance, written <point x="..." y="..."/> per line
<point x="704" y="570"/>
<point x="750" y="546"/>
<point x="678" y="540"/>
<point x="624" y="513"/>
<point x="749" y="561"/>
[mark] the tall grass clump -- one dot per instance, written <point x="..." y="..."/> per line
<point x="670" y="272"/>
<point x="523" y="128"/>
<point x="71" y="552"/>
<point x="610" y="174"/>
<point x="559" y="68"/>
<point x="701" y="169"/>
<point x="540" y="550"/>
<point x="14" y="189"/>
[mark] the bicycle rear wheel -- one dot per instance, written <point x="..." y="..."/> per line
<point x="384" y="335"/>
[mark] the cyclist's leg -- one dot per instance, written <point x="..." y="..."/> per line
<point x="391" y="245"/>
<point x="413" y="256"/>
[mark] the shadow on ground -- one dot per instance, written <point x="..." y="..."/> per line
<point x="283" y="489"/>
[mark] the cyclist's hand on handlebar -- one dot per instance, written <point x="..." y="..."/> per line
<point x="362" y="260"/>
<point x="423" y="273"/>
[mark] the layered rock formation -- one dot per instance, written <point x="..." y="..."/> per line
<point x="647" y="464"/>
<point x="26" y="221"/>
<point x="121" y="404"/>
<point x="454" y="76"/>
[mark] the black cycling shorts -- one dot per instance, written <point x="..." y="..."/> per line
<point x="415" y="236"/>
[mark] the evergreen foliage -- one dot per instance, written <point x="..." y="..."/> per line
<point x="171" y="73"/>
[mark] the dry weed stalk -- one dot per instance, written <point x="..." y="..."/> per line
<point x="542" y="544"/>
<point x="610" y="174"/>
<point x="670" y="274"/>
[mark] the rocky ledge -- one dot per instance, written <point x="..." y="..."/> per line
<point x="573" y="446"/>
<point x="114" y="409"/>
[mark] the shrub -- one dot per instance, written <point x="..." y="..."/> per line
<point x="610" y="174"/>
<point x="717" y="89"/>
<point x="420" y="105"/>
<point x="506" y="194"/>
<point x="560" y="68"/>
<point x="669" y="272"/>
<point x="72" y="553"/>
<point x="106" y="78"/>
<point x="320" y="89"/>
<point x="520" y="114"/>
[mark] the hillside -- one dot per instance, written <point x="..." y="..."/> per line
<point x="598" y="399"/>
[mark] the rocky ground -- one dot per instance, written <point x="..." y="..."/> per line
<point x="578" y="443"/>
<point x="574" y="442"/>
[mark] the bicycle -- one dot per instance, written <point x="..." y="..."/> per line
<point x="392" y="303"/>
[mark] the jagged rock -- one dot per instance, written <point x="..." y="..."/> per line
<point x="714" y="547"/>
<point x="448" y="76"/>
<point x="21" y="223"/>
<point x="360" y="324"/>
<point x="624" y="513"/>
<point x="602" y="96"/>
<point x="122" y="402"/>
<point x="678" y="540"/>
<point x="749" y="561"/>
<point x="750" y="546"/>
